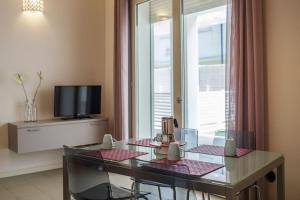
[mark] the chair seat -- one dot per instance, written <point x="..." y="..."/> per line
<point x="99" y="192"/>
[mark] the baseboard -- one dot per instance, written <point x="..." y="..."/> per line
<point x="30" y="170"/>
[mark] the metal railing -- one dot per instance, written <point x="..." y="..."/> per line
<point x="162" y="107"/>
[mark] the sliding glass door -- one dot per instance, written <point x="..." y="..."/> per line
<point x="180" y="48"/>
<point x="154" y="65"/>
<point x="204" y="36"/>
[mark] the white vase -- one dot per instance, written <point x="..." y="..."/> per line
<point x="174" y="151"/>
<point x="107" y="142"/>
<point x="230" y="147"/>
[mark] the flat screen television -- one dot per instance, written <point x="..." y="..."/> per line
<point x="77" y="101"/>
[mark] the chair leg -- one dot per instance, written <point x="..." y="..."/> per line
<point x="174" y="193"/>
<point x="208" y="196"/>
<point x="203" y="196"/>
<point x="258" y="192"/>
<point x="144" y="198"/>
<point x="188" y="194"/>
<point x="159" y="192"/>
<point x="132" y="187"/>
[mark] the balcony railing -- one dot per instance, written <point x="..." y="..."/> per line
<point x="162" y="108"/>
<point x="210" y="124"/>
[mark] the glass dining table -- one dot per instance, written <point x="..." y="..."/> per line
<point x="236" y="175"/>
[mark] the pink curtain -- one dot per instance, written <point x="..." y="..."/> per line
<point x="122" y="71"/>
<point x="245" y="72"/>
<point x="245" y="86"/>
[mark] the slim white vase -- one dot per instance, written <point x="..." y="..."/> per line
<point x="230" y="147"/>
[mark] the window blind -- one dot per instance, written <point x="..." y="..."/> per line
<point x="162" y="9"/>
<point x="194" y="6"/>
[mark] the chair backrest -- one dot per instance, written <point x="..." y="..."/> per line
<point x="187" y="135"/>
<point x="178" y="173"/>
<point x="169" y="168"/>
<point x="244" y="139"/>
<point x="88" y="176"/>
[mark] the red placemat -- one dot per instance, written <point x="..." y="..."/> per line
<point x="116" y="154"/>
<point x="142" y="142"/>
<point x="185" y="166"/>
<point x="217" y="150"/>
<point x="150" y="143"/>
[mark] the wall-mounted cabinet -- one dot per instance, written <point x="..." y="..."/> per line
<point x="53" y="134"/>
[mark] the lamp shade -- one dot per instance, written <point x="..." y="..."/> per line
<point x="33" y="5"/>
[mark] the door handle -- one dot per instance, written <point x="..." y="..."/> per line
<point x="179" y="99"/>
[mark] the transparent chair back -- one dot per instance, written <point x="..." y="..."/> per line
<point x="88" y="177"/>
<point x="187" y="135"/>
<point x="177" y="173"/>
<point x="244" y="139"/>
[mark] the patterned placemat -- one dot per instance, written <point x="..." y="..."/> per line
<point x="150" y="143"/>
<point x="142" y="142"/>
<point x="217" y="150"/>
<point x="185" y="166"/>
<point x="116" y="154"/>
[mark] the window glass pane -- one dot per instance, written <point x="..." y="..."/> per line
<point x="205" y="47"/>
<point x="153" y="66"/>
<point x="143" y="71"/>
<point x="211" y="38"/>
<point x="162" y="62"/>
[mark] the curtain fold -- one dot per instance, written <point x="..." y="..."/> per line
<point x="245" y="72"/>
<point x="122" y="71"/>
<point x="245" y="84"/>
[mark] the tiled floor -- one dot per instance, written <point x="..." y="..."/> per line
<point x="39" y="186"/>
<point x="48" y="186"/>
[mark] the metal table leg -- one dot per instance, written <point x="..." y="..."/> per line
<point x="280" y="183"/>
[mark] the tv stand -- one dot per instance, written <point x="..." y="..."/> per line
<point x="54" y="133"/>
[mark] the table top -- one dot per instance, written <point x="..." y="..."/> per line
<point x="235" y="170"/>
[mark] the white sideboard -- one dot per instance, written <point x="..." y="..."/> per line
<point x="53" y="134"/>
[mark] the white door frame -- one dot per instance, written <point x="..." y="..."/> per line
<point x="177" y="61"/>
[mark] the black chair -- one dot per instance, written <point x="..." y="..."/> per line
<point x="89" y="180"/>
<point x="190" y="137"/>
<point x="180" y="171"/>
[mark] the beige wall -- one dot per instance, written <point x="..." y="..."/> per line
<point x="109" y="60"/>
<point x="282" y="51"/>
<point x="67" y="43"/>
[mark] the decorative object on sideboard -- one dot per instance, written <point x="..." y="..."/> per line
<point x="33" y="5"/>
<point x="30" y="114"/>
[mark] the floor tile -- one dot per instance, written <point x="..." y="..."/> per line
<point x="48" y="185"/>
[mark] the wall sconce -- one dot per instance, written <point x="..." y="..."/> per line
<point x="33" y="5"/>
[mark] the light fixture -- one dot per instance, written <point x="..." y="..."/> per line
<point x="33" y="5"/>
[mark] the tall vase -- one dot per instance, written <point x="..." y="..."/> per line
<point x="30" y="111"/>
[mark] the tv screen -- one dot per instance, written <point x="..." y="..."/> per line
<point x="77" y="101"/>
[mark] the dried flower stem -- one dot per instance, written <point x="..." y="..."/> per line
<point x="36" y="91"/>
<point x="24" y="90"/>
